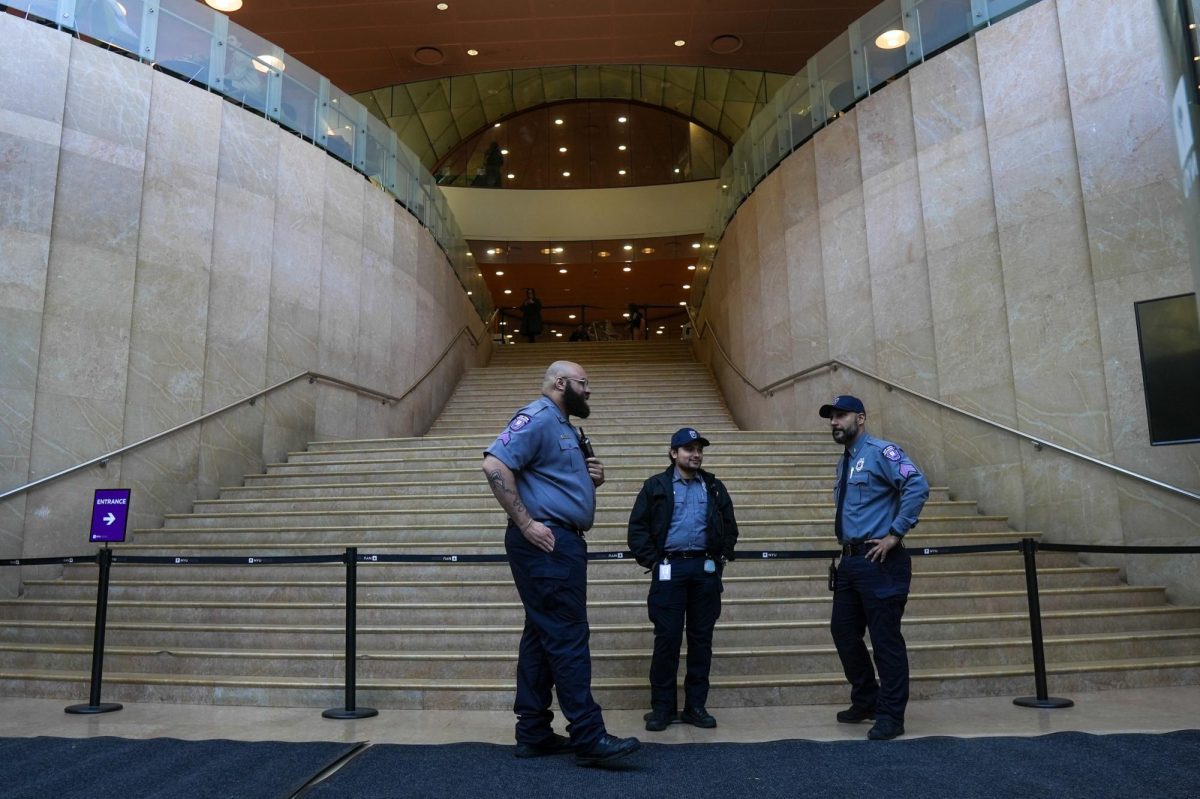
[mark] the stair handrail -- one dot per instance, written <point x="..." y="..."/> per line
<point x="250" y="399"/>
<point x="835" y="363"/>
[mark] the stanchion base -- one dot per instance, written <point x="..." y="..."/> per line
<point x="343" y="713"/>
<point x="1050" y="702"/>
<point x="103" y="707"/>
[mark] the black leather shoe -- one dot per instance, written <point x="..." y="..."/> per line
<point x="698" y="717"/>
<point x="854" y="714"/>
<point x="659" y="720"/>
<point x="608" y="747"/>
<point x="554" y="745"/>
<point x="885" y="730"/>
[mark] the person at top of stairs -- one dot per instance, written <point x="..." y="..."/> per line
<point x="543" y="473"/>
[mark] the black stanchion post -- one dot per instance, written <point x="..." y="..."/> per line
<point x="94" y="705"/>
<point x="350" y="711"/>
<point x="1029" y="550"/>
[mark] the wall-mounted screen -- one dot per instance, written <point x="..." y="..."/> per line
<point x="1169" y="338"/>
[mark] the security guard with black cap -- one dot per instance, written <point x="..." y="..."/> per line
<point x="683" y="529"/>
<point x="542" y="472"/>
<point x="879" y="495"/>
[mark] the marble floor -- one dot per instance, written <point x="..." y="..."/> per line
<point x="1135" y="710"/>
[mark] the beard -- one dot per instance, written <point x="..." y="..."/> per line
<point x="845" y="434"/>
<point x="575" y="402"/>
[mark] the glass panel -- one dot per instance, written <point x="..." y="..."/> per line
<point x="337" y="121"/>
<point x="247" y="62"/>
<point x="46" y="9"/>
<point x="378" y="156"/>
<point x="1001" y="8"/>
<point x="942" y="22"/>
<point x="300" y="99"/>
<point x="834" y="76"/>
<point x="185" y="39"/>
<point x="119" y="24"/>
<point x="884" y="44"/>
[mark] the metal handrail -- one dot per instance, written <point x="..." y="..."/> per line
<point x="313" y="377"/>
<point x="834" y="364"/>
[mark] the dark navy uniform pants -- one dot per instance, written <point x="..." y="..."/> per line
<point x="690" y="601"/>
<point x="554" y="645"/>
<point x="871" y="596"/>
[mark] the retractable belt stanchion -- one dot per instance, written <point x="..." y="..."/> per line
<point x="1029" y="550"/>
<point x="350" y="711"/>
<point x="94" y="705"/>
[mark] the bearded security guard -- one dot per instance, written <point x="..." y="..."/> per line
<point x="878" y="498"/>
<point x="542" y="472"/>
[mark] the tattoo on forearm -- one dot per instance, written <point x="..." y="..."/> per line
<point x="507" y="495"/>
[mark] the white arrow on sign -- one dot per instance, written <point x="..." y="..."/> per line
<point x="109" y="519"/>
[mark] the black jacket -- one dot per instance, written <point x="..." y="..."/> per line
<point x="651" y="519"/>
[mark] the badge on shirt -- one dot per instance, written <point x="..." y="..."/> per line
<point x="664" y="572"/>
<point x="518" y="422"/>
<point x="891" y="452"/>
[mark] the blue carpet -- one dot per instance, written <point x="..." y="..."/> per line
<point x="1059" y="766"/>
<point x="120" y="768"/>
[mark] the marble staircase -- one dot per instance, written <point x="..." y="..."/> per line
<point x="444" y="635"/>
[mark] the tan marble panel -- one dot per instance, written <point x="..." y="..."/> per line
<point x="1034" y="171"/>
<point x="249" y="155"/>
<point x="163" y="464"/>
<point x="69" y="430"/>
<point x="1137" y="232"/>
<point x="20" y="338"/>
<point x="946" y="96"/>
<point x="1021" y="70"/>
<point x="231" y="447"/>
<point x="33" y="75"/>
<point x="57" y="514"/>
<point x="838" y="169"/>
<point x="341" y="278"/>
<point x="402" y="352"/>
<point x="1125" y="140"/>
<point x="166" y="380"/>
<point x="83" y="357"/>
<point x="847" y="280"/>
<point x="108" y="103"/>
<point x="375" y="322"/>
<point x="913" y="424"/>
<point x="886" y="136"/>
<point x="806" y="294"/>
<point x="1068" y="500"/>
<point x="292" y="340"/>
<point x="27" y="183"/>
<point x="1109" y="46"/>
<point x="957" y="198"/>
<point x="983" y="463"/>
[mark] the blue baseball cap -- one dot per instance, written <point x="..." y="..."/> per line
<point x="687" y="435"/>
<point x="843" y="402"/>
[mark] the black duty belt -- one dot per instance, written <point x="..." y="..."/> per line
<point x="858" y="547"/>
<point x="688" y="555"/>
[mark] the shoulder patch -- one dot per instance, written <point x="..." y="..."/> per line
<point x="891" y="452"/>
<point x="519" y="421"/>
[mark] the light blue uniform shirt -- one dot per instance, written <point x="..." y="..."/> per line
<point x="542" y="449"/>
<point x="884" y="490"/>
<point x="688" y="519"/>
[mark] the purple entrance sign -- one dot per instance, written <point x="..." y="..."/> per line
<point x="110" y="513"/>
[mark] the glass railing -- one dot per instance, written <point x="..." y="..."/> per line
<point x="877" y="48"/>
<point x="202" y="46"/>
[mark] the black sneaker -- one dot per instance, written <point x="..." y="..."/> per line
<point x="659" y="720"/>
<point x="608" y="747"/>
<point x="885" y="730"/>
<point x="554" y="745"/>
<point x="854" y="714"/>
<point x="698" y="717"/>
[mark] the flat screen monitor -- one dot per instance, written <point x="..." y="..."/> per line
<point x="1169" y="339"/>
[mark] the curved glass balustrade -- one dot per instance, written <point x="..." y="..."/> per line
<point x="202" y="46"/>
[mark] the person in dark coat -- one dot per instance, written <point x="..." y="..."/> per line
<point x="531" y="316"/>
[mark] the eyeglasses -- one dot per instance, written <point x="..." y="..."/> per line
<point x="583" y="381"/>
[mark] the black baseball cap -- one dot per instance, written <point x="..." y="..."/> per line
<point x="843" y="402"/>
<point x="687" y="435"/>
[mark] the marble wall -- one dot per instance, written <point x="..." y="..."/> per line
<point x="164" y="253"/>
<point x="978" y="231"/>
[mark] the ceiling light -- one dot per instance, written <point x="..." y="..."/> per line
<point x="266" y="63"/>
<point x="622" y="120"/>
<point x="442" y="6"/>
<point x="647" y="250"/>
<point x="570" y="316"/>
<point x="558" y="249"/>
<point x="545" y="251"/>
<point x="558" y="122"/>
<point x="687" y="285"/>
<point x="621" y="147"/>
<point x="492" y="251"/>
<point x="496" y="125"/>
<point x="676" y="170"/>
<point x="511" y="176"/>
<point x="472" y="51"/>
<point x="627" y="269"/>
<point x="620" y="171"/>
<point x="562" y="271"/>
<point x="680" y="42"/>
<point x="228" y="6"/>
<point x="890" y="40"/>
<point x="658" y="332"/>
<point x="468" y="294"/>
<point x="683" y="302"/>
<point x="625" y="315"/>
<point x="566" y="174"/>
<point x="627" y="247"/>
<point x="695" y="245"/>
<point x="504" y="152"/>
<point x="604" y="253"/>
<point x="712" y="246"/>
<point x="508" y="291"/>
<point x="692" y="267"/>
<point x="562" y="149"/>
<point x="499" y="273"/>
<point x="469" y="255"/>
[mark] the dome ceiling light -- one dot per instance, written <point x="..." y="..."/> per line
<point x="226" y="6"/>
<point x="890" y="40"/>
<point x="266" y="63"/>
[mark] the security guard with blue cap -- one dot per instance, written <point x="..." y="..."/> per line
<point x="542" y="472"/>
<point x="879" y="495"/>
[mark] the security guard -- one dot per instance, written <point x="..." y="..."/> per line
<point x="879" y="495"/>
<point x="683" y="529"/>
<point x="543" y="474"/>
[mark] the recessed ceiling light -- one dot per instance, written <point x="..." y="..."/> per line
<point x="622" y="120"/>
<point x="687" y="285"/>
<point x="683" y="302"/>
<point x="496" y="125"/>
<point x="712" y="246"/>
<point x="492" y="251"/>
<point x="504" y="152"/>
<point x="469" y="255"/>
<point x="511" y="176"/>
<point x="266" y="63"/>
<point x="570" y="316"/>
<point x="647" y="250"/>
<point x="472" y="51"/>
<point x="627" y="269"/>
<point x="545" y="251"/>
<point x="468" y="294"/>
<point x="562" y="271"/>
<point x="558" y="335"/>
<point x="558" y="249"/>
<point x="695" y="245"/>
<point x="558" y="122"/>
<point x="499" y="273"/>
<point x="658" y="332"/>
<point x="621" y="147"/>
<point x="627" y="247"/>
<point x="562" y="149"/>
<point x="442" y="6"/>
<point x="725" y="44"/>
<point x="604" y="253"/>
<point x="566" y="174"/>
<point x="625" y="315"/>
<point x="691" y="267"/>
<point x="429" y="56"/>
<point x="890" y="40"/>
<point x="508" y="291"/>
<point x="226" y="6"/>
<point x="680" y="42"/>
<point x="620" y="171"/>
